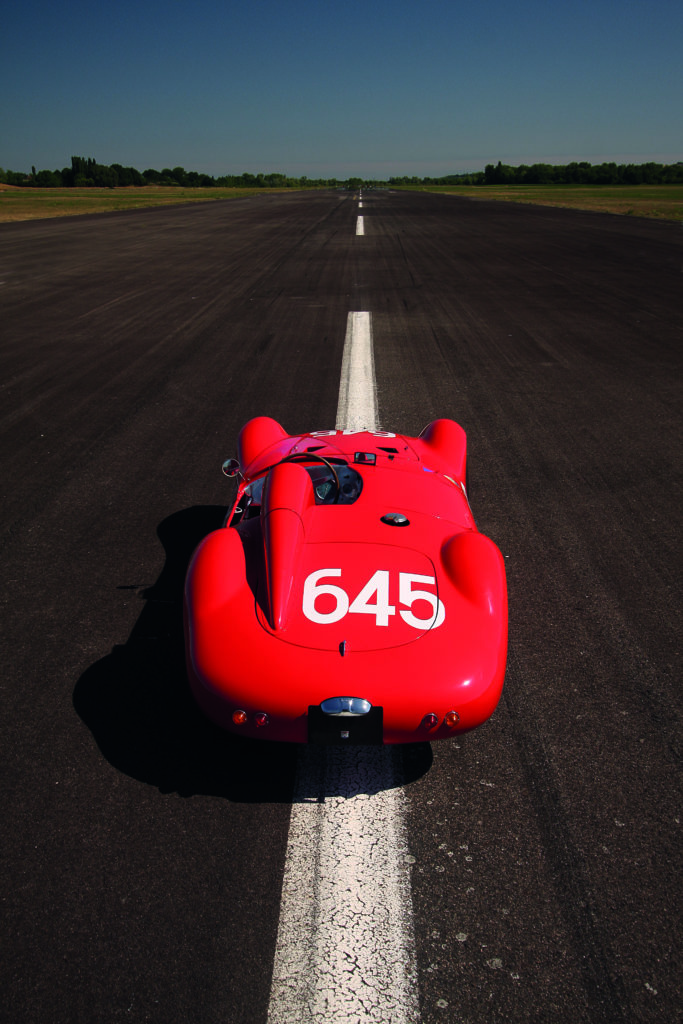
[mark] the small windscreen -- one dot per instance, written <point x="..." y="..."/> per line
<point x="325" y="485"/>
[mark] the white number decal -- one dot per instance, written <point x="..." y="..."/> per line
<point x="381" y="609"/>
<point x="313" y="590"/>
<point x="409" y="590"/>
<point x="407" y="595"/>
<point x="349" y="433"/>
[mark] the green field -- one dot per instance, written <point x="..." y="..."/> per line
<point x="36" y="203"/>
<point x="664" y="202"/>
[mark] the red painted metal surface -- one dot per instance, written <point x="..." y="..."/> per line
<point x="368" y="579"/>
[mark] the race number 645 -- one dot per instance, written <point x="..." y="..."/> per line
<point x="372" y="599"/>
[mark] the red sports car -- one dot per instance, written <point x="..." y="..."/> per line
<point x="349" y="598"/>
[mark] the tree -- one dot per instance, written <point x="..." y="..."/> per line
<point x="48" y="179"/>
<point x="501" y="174"/>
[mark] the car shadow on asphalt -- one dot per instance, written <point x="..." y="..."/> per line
<point x="137" y="703"/>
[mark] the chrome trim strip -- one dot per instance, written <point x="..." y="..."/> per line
<point x="345" y="706"/>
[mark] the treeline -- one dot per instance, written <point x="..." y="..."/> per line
<point x="87" y="173"/>
<point x="560" y="174"/>
<point x="585" y="174"/>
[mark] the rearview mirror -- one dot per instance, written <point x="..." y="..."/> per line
<point x="231" y="467"/>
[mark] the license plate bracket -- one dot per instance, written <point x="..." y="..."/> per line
<point x="345" y="730"/>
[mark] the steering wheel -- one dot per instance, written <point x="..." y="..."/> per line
<point x="312" y="457"/>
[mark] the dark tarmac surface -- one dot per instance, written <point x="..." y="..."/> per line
<point x="142" y="853"/>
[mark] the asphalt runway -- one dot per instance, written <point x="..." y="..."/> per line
<point x="142" y="852"/>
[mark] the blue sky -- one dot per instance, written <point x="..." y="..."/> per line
<point x="338" y="89"/>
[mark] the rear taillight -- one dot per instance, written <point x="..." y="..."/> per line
<point x="451" y="719"/>
<point x="260" y="719"/>
<point x="429" y="721"/>
<point x="239" y="717"/>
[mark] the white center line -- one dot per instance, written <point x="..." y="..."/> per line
<point x="357" y="407"/>
<point x="345" y="945"/>
<point x="345" y="949"/>
<point x="360" y="227"/>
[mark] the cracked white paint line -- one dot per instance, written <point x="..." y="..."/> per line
<point x="345" y="951"/>
<point x="357" y="406"/>
<point x="345" y="946"/>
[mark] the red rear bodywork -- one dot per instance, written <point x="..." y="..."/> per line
<point x="366" y="580"/>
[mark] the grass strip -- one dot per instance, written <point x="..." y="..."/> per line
<point x="37" y="203"/>
<point x="662" y="202"/>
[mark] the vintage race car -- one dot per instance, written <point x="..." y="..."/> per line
<point x="349" y="598"/>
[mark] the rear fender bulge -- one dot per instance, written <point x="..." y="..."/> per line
<point x="476" y="568"/>
<point x="216" y="573"/>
